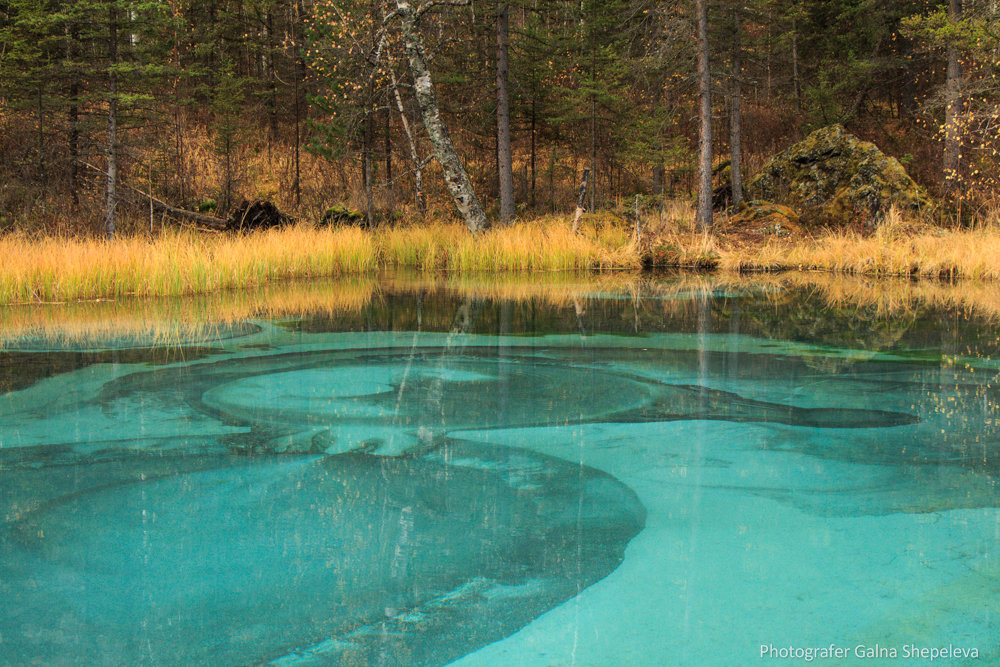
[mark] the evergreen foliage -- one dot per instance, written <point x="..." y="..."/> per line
<point x="609" y="85"/>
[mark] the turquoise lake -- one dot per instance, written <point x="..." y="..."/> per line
<point x="666" y="471"/>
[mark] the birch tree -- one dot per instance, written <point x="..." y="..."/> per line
<point x="456" y="178"/>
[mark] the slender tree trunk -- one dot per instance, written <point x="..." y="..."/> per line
<point x="272" y="78"/>
<point x="953" y="92"/>
<point x="181" y="171"/>
<point x="74" y="142"/>
<point x="111" y="151"/>
<point x="532" y="199"/>
<point x="297" y="183"/>
<point x="418" y="163"/>
<point x="227" y="201"/>
<point x="704" y="214"/>
<point x="735" y="115"/>
<point x="503" y="118"/>
<point x="767" y="59"/>
<point x="593" y="137"/>
<point x="366" y="171"/>
<point x="552" y="180"/>
<point x="390" y="192"/>
<point x="795" y="64"/>
<point x="40" y="116"/>
<point x="300" y="75"/>
<point x="580" y="200"/>
<point x="73" y="118"/>
<point x="455" y="176"/>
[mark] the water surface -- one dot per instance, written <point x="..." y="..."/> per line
<point x="669" y="471"/>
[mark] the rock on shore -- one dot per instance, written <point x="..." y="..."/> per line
<point x="833" y="178"/>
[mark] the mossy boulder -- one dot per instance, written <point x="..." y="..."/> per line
<point x="766" y="219"/>
<point x="341" y="215"/>
<point x="833" y="178"/>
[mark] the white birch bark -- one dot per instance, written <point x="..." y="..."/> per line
<point x="455" y="176"/>
<point x="411" y="142"/>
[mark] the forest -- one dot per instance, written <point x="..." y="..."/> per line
<point x="390" y="112"/>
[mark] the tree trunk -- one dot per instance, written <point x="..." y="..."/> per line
<point x="953" y="91"/>
<point x="795" y="64"/>
<point x="418" y="164"/>
<point x="40" y="117"/>
<point x="390" y="192"/>
<point x="272" y="78"/>
<point x="580" y="200"/>
<point x="300" y="75"/>
<point x="73" y="119"/>
<point x="735" y="116"/>
<point x="704" y="214"/>
<point x="768" y="22"/>
<point x="532" y="198"/>
<point x="366" y="171"/>
<point x="552" y="180"/>
<point x="593" y="142"/>
<point x="503" y="119"/>
<point x="227" y="194"/>
<point x="111" y="150"/>
<point x="455" y="176"/>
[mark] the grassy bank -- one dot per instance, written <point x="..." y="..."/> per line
<point x="899" y="247"/>
<point x="971" y="254"/>
<point x="186" y="262"/>
<point x="174" y="263"/>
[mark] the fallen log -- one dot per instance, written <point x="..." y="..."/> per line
<point x="172" y="211"/>
<point x="248" y="216"/>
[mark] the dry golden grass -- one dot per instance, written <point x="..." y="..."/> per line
<point x="544" y="245"/>
<point x="897" y="248"/>
<point x="185" y="262"/>
<point x="65" y="269"/>
<point x="59" y="269"/>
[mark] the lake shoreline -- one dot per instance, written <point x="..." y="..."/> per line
<point x="173" y="263"/>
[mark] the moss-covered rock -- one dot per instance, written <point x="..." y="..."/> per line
<point x="833" y="178"/>
<point x="766" y="218"/>
<point x="341" y="215"/>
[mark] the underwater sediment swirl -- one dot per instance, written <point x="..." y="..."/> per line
<point x="314" y="507"/>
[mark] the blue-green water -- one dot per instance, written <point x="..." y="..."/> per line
<point x="633" y="479"/>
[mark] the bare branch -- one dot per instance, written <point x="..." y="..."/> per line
<point x="427" y="6"/>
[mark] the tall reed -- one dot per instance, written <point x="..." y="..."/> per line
<point x="184" y="262"/>
<point x="894" y="249"/>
